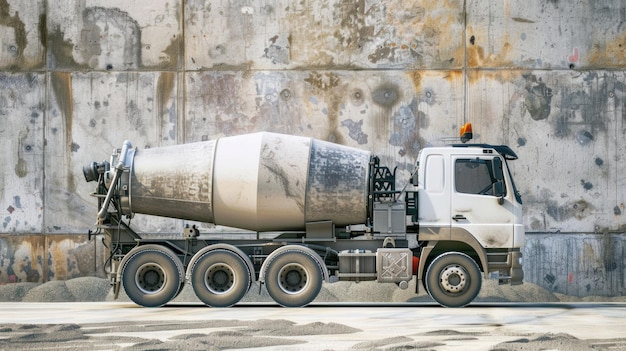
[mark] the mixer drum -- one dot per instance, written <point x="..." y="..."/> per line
<point x="261" y="182"/>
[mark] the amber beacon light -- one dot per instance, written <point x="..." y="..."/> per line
<point x="466" y="133"/>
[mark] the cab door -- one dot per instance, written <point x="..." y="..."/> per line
<point x="481" y="199"/>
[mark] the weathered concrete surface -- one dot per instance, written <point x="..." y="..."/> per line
<point x="324" y="34"/>
<point x="577" y="265"/>
<point x="40" y="258"/>
<point x="22" y="35"/>
<point x="567" y="128"/>
<point x="22" y="104"/>
<point x="94" y="112"/>
<point x="554" y="34"/>
<point x="114" y="35"/>
<point x="546" y="77"/>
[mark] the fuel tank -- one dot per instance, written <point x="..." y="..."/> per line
<point x="260" y="182"/>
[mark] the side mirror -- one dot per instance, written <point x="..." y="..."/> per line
<point x="498" y="190"/>
<point x="414" y="179"/>
<point x="497" y="168"/>
<point x="498" y="186"/>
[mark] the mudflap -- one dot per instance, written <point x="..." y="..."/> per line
<point x="116" y="288"/>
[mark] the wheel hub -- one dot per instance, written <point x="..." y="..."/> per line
<point x="292" y="278"/>
<point x="453" y="279"/>
<point x="219" y="278"/>
<point x="150" y="278"/>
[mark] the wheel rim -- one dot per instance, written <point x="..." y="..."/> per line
<point x="150" y="278"/>
<point x="453" y="279"/>
<point x="293" y="278"/>
<point x="219" y="278"/>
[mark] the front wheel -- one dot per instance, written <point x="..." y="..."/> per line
<point x="151" y="275"/>
<point x="293" y="278"/>
<point x="453" y="279"/>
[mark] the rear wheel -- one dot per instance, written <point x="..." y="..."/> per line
<point x="293" y="278"/>
<point x="220" y="278"/>
<point x="151" y="275"/>
<point x="453" y="279"/>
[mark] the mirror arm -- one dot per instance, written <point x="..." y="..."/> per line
<point x="501" y="200"/>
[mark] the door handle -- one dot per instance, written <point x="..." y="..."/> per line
<point x="459" y="217"/>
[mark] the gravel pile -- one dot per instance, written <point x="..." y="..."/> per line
<point x="90" y="289"/>
<point x="87" y="289"/>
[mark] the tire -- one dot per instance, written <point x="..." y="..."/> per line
<point x="152" y="275"/>
<point x="293" y="278"/>
<point x="453" y="279"/>
<point x="220" y="278"/>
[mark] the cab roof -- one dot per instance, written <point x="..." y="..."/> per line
<point x="503" y="150"/>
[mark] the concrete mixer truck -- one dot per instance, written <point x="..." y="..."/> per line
<point x="312" y="212"/>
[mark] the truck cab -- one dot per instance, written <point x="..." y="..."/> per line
<point x="468" y="202"/>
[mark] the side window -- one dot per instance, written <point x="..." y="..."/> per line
<point x="474" y="176"/>
<point x="435" y="180"/>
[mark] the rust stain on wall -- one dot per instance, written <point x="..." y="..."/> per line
<point x="62" y="256"/>
<point x="165" y="91"/>
<point x="454" y="76"/>
<point x="57" y="257"/>
<point x="416" y="79"/>
<point x="61" y="51"/>
<point x="502" y="76"/>
<point x="62" y="87"/>
<point x="608" y="55"/>
<point x="70" y="256"/>
<point x="41" y="258"/>
<point x="173" y="52"/>
<point x="19" y="29"/>
<point x="21" y="259"/>
<point x="61" y="83"/>
<point x="478" y="57"/>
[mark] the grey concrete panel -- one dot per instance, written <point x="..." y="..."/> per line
<point x="114" y="35"/>
<point x="323" y="34"/>
<point x="22" y="35"/>
<point x="22" y="258"/>
<point x="41" y="258"/>
<point x="567" y="128"/>
<point x="577" y="264"/>
<point x="21" y="139"/>
<point x="71" y="256"/>
<point x="89" y="115"/>
<point x="391" y="113"/>
<point x="546" y="34"/>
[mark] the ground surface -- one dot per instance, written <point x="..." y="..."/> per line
<point x="320" y="326"/>
<point x="345" y="316"/>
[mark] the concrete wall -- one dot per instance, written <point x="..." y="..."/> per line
<point x="79" y="77"/>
